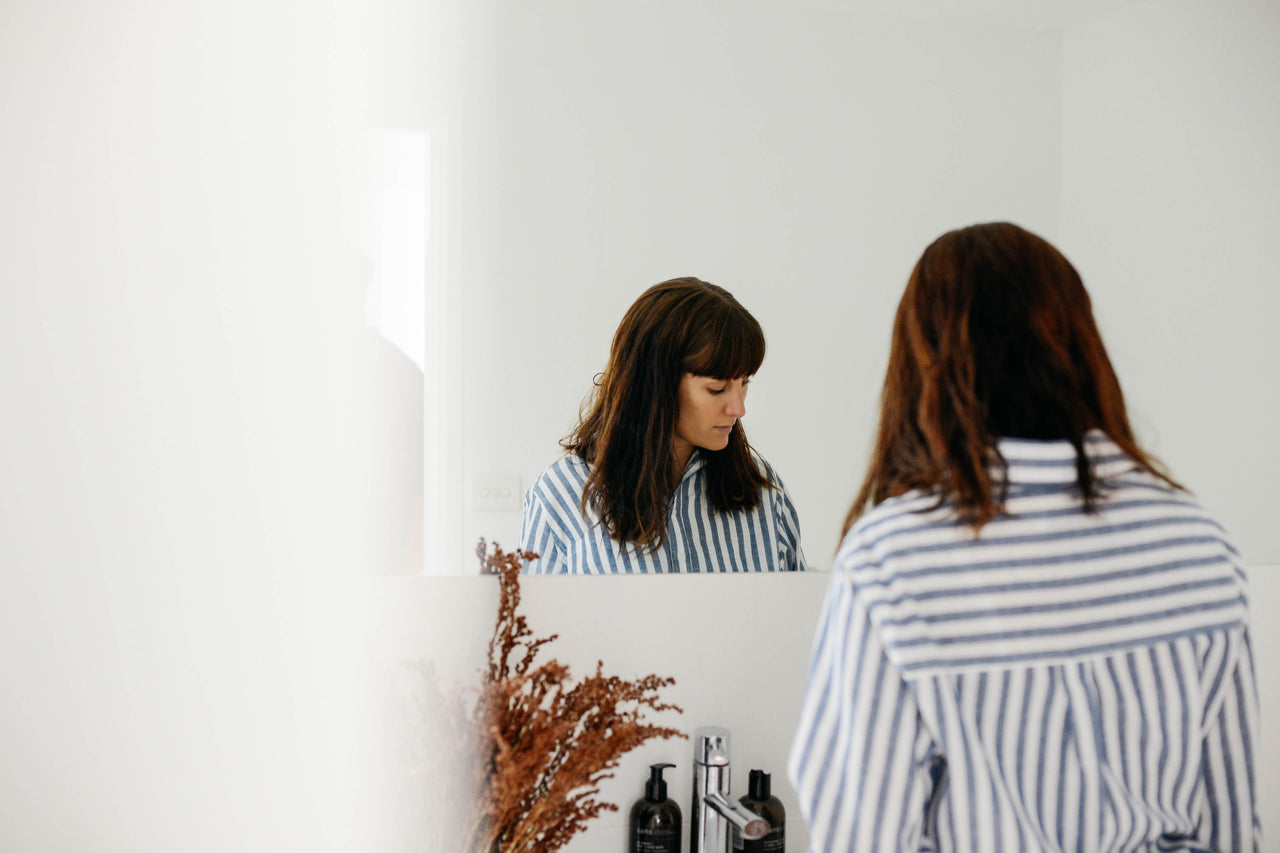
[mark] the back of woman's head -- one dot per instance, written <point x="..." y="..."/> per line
<point x="994" y="338"/>
<point x="684" y="325"/>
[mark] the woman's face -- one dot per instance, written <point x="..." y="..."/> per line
<point x="709" y="408"/>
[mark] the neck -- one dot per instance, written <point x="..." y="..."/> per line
<point x="680" y="453"/>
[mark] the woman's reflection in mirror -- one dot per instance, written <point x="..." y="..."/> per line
<point x="658" y="476"/>
<point x="1034" y="639"/>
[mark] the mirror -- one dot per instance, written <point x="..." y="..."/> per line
<point x="801" y="155"/>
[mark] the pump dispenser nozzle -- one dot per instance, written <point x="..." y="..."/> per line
<point x="758" y="787"/>
<point x="655" y="790"/>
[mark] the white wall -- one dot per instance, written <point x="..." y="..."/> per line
<point x="199" y="433"/>
<point x="1171" y="211"/>
<point x="800" y="159"/>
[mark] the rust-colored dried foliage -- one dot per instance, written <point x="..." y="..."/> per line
<point x="545" y="743"/>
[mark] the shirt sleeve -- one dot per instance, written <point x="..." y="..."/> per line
<point x="862" y="756"/>
<point x="538" y="534"/>
<point x="787" y="523"/>
<point x="1229" y="818"/>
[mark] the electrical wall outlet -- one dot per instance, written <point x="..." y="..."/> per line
<point x="496" y="494"/>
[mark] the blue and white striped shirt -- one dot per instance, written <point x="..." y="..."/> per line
<point x="699" y="539"/>
<point x="1062" y="681"/>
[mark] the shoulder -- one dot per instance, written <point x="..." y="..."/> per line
<point x="770" y="473"/>
<point x="553" y="508"/>
<point x="567" y="474"/>
<point x="1143" y="498"/>
<point x="908" y="520"/>
<point x="774" y="494"/>
<point x="557" y="492"/>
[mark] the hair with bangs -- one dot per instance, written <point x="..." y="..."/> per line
<point x="994" y="338"/>
<point x="680" y="326"/>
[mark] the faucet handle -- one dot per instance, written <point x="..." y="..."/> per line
<point x="711" y="745"/>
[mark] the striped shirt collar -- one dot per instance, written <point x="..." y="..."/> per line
<point x="695" y="463"/>
<point x="1034" y="461"/>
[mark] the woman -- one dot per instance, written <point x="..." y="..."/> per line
<point x="659" y="476"/>
<point x="1034" y="639"/>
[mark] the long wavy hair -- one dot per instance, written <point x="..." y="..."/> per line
<point x="994" y="338"/>
<point x="680" y="326"/>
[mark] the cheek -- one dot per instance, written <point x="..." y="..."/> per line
<point x="684" y="406"/>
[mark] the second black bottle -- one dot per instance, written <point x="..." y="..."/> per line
<point x="760" y="800"/>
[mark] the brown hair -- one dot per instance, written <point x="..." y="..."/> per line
<point x="994" y="338"/>
<point x="680" y="326"/>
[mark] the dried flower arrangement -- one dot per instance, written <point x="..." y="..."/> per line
<point x="543" y="744"/>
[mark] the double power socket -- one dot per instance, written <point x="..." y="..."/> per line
<point x="496" y="494"/>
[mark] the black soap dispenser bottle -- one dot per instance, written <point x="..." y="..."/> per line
<point x="760" y="800"/>
<point x="655" y="820"/>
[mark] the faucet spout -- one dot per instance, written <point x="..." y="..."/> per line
<point x="749" y="824"/>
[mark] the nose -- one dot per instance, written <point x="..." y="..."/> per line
<point x="737" y="404"/>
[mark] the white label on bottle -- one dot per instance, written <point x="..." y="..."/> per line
<point x="654" y="841"/>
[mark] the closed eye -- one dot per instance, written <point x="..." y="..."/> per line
<point x="722" y="389"/>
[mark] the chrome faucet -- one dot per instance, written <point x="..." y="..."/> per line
<point x="713" y="812"/>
